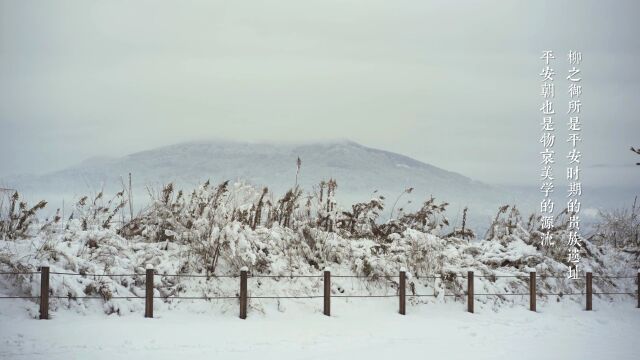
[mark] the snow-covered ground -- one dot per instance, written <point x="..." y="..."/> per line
<point x="358" y="329"/>
<point x="95" y="263"/>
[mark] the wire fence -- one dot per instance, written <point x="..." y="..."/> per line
<point x="243" y="295"/>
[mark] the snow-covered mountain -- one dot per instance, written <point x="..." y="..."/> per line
<point x="359" y="171"/>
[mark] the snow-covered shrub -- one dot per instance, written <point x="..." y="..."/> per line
<point x="619" y="227"/>
<point x="429" y="218"/>
<point x="217" y="230"/>
<point x="361" y="220"/>
<point x="16" y="217"/>
<point x="95" y="212"/>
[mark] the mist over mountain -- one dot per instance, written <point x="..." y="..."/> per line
<point x="359" y="170"/>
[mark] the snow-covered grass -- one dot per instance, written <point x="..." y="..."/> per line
<point x="501" y="266"/>
<point x="358" y="329"/>
<point x="220" y="231"/>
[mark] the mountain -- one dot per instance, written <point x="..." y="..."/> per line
<point x="359" y="171"/>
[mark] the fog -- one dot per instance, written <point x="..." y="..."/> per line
<point x="453" y="84"/>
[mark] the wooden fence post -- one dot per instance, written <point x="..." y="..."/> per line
<point x="148" y="302"/>
<point x="402" y="291"/>
<point x="470" y="291"/>
<point x="532" y="291"/>
<point x="327" y="291"/>
<point x="243" y="292"/>
<point x="44" y="292"/>
<point x="589" y="291"/>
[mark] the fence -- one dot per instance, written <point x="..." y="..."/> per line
<point x="243" y="296"/>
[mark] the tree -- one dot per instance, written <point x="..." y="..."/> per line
<point x="637" y="151"/>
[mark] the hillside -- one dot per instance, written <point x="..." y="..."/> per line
<point x="359" y="171"/>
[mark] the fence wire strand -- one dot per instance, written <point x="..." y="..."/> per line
<point x="19" y="297"/>
<point x="96" y="297"/>
<point x="20" y="273"/>
<point x="449" y="276"/>
<point x="197" y="297"/>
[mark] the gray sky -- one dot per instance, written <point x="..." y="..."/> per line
<point x="451" y="83"/>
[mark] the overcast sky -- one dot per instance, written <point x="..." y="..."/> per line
<point x="451" y="83"/>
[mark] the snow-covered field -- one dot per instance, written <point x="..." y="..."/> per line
<point x="95" y="263"/>
<point x="359" y="329"/>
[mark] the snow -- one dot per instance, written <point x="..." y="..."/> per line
<point x="501" y="265"/>
<point x="186" y="241"/>
<point x="358" y="329"/>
